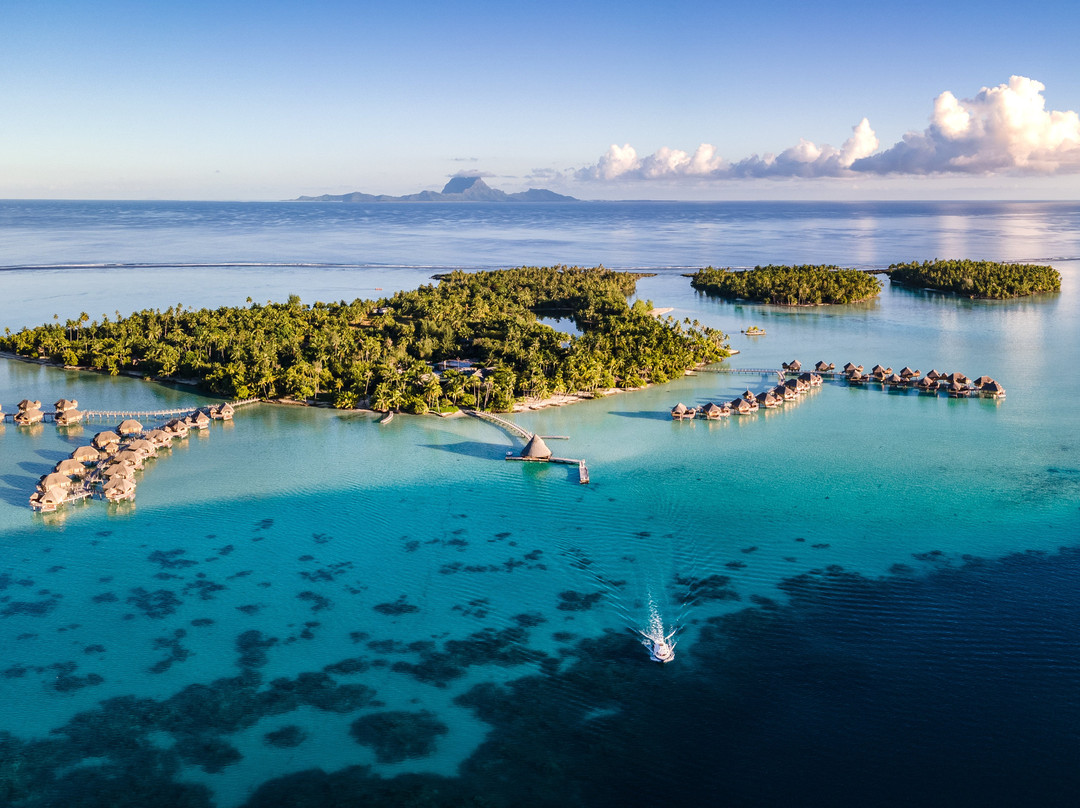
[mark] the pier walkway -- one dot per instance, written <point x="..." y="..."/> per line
<point x="526" y="435"/>
<point x="750" y="371"/>
<point x="107" y="416"/>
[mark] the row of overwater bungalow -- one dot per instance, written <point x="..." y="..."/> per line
<point x="750" y="402"/>
<point x="955" y="384"/>
<point x="29" y="412"/>
<point x="106" y="467"/>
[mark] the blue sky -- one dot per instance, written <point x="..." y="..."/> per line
<point x="269" y="100"/>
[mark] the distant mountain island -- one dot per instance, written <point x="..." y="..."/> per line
<point x="459" y="189"/>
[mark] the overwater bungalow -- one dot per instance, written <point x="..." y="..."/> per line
<point x="933" y="375"/>
<point x="749" y="395"/>
<point x="29" y="416"/>
<point x="927" y="385"/>
<point x="714" y="410"/>
<point x="54" y="480"/>
<point x="129" y="427"/>
<point x="142" y="447"/>
<point x="177" y="428"/>
<point x="47" y="501"/>
<point x="106" y="442"/>
<point x="129" y="458"/>
<point x="65" y="404"/>
<point x="27" y="404"/>
<point x="894" y="380"/>
<point x="810" y="379"/>
<point x="858" y="377"/>
<point x="70" y="467"/>
<point x="740" y="406"/>
<point x="222" y="412"/>
<point x="680" y="411"/>
<point x="908" y="373"/>
<point x="535" y="449"/>
<point x="86" y="454"/>
<point x="768" y="400"/>
<point x="68" y="417"/>
<point x="113" y="469"/>
<point x="850" y="368"/>
<point x="982" y="381"/>
<point x="159" y="437"/>
<point x="992" y="390"/>
<point x="822" y="367"/>
<point x="794" y="366"/>
<point x="957" y="377"/>
<point x="958" y="390"/>
<point x="199" y="419"/>
<point x="119" y="489"/>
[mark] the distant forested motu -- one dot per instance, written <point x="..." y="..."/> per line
<point x="982" y="279"/>
<point x="803" y="285"/>
<point x="383" y="353"/>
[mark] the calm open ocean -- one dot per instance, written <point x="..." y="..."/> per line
<point x="876" y="594"/>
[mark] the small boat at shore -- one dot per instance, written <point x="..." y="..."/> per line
<point x="754" y="331"/>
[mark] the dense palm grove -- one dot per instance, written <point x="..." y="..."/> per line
<point x="803" y="285"/>
<point x="986" y="279"/>
<point x="382" y="352"/>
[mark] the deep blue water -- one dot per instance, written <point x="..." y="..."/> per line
<point x="875" y="593"/>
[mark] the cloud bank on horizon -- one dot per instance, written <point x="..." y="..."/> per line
<point x="1004" y="129"/>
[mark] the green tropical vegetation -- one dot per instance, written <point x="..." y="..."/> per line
<point x="382" y="353"/>
<point x="982" y="279"/>
<point x="803" y="285"/>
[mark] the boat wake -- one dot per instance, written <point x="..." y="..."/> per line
<point x="660" y="642"/>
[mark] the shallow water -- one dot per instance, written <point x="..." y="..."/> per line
<point x="877" y="575"/>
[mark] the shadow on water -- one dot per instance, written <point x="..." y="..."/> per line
<point x="649" y="416"/>
<point x="470" y="448"/>
<point x="17" y="489"/>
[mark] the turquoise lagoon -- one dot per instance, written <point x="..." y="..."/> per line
<point x="418" y="574"/>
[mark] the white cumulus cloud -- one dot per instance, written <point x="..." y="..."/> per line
<point x="1003" y="129"/>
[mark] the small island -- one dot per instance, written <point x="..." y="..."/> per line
<point x="471" y="340"/>
<point x="463" y="188"/>
<point x="977" y="279"/>
<point x="802" y="285"/>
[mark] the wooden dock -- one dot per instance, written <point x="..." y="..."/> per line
<point x="526" y="435"/>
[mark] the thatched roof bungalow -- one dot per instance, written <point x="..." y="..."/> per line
<point x="86" y="454"/>
<point x="222" y="412"/>
<point x="927" y="385"/>
<point x="122" y="490"/>
<point x="958" y="390"/>
<point x="894" y="380"/>
<point x="129" y="457"/>
<point x="129" y="427"/>
<point x="993" y="390"/>
<point x="142" y="447"/>
<point x="65" y="404"/>
<point x="46" y="501"/>
<point x="933" y="375"/>
<point x="957" y="377"/>
<point x="794" y="366"/>
<point x="740" y="406"/>
<point x="716" y="411"/>
<point x="70" y="467"/>
<point x="27" y="404"/>
<point x="177" y="428"/>
<point x="54" y="480"/>
<point x="199" y="419"/>
<point x="103" y="440"/>
<point x="822" y="367"/>
<point x="982" y="381"/>
<point x="679" y="411"/>
<point x="29" y="416"/>
<point x="536" y="449"/>
<point x="118" y="470"/>
<point x="68" y="417"/>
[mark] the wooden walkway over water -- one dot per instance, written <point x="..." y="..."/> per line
<point x="526" y="435"/>
<point x="108" y="416"/>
